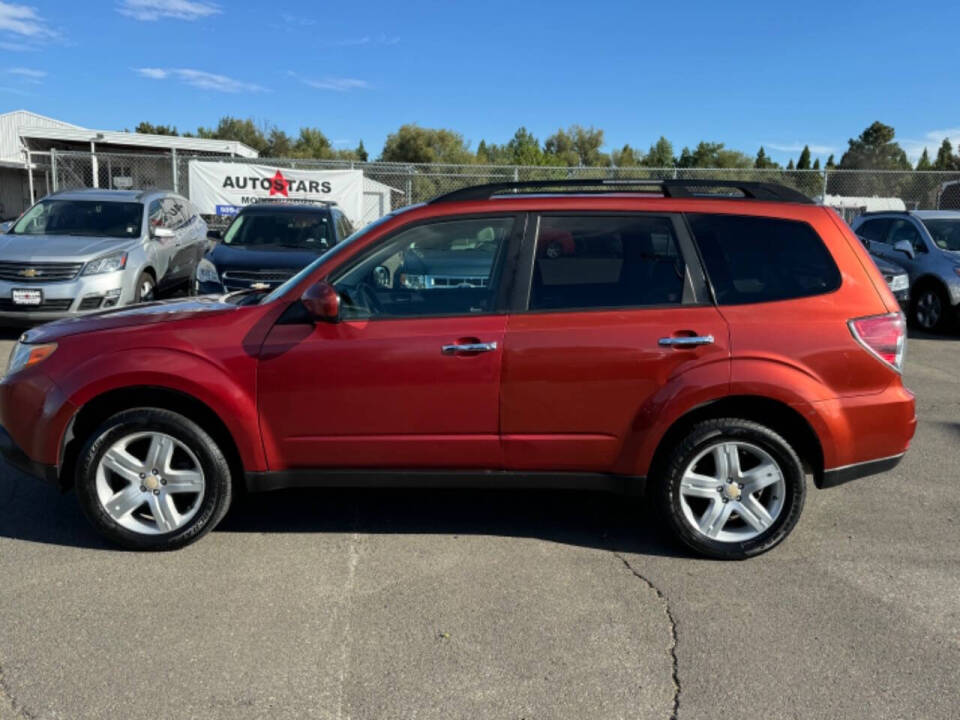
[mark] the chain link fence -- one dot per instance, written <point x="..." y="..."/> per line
<point x="850" y="192"/>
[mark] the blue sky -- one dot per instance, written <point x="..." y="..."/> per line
<point x="743" y="73"/>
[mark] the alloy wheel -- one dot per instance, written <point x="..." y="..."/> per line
<point x="146" y="290"/>
<point x="732" y="492"/>
<point x="150" y="483"/>
<point x="929" y="309"/>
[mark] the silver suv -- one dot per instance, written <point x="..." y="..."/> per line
<point x="83" y="250"/>
<point x="926" y="243"/>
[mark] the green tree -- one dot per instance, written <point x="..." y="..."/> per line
<point x="715" y="155"/>
<point x="763" y="161"/>
<point x="279" y="144"/>
<point x="790" y="165"/>
<point x="660" y="154"/>
<point x="803" y="162"/>
<point x="686" y="158"/>
<point x="626" y="157"/>
<point x="231" y="128"/>
<point x="414" y="144"/>
<point x="361" y="152"/>
<point x="524" y="148"/>
<point x="924" y="162"/>
<point x="816" y="164"/>
<point x="150" y="129"/>
<point x="946" y="160"/>
<point x="831" y="163"/>
<point x="875" y="149"/>
<point x="576" y="145"/>
<point x="312" y="143"/>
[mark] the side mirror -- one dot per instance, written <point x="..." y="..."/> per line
<point x="905" y="247"/>
<point x="214" y="234"/>
<point x="322" y="302"/>
<point x="162" y="233"/>
<point x="381" y="276"/>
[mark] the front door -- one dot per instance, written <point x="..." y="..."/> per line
<point x="410" y="377"/>
<point x="617" y="315"/>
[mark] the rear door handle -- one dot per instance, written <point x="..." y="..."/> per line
<point x="468" y="348"/>
<point x="686" y="341"/>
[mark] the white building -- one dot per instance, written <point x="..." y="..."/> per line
<point x="27" y="138"/>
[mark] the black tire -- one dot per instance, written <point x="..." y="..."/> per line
<point x="145" y="279"/>
<point x="930" y="293"/>
<point x="702" y="436"/>
<point x="217" y="493"/>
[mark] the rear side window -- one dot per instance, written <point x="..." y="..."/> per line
<point x="601" y="261"/>
<point x="755" y="259"/>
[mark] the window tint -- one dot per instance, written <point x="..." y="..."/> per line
<point x="875" y="230"/>
<point x="754" y="259"/>
<point x="284" y="229"/>
<point x="945" y="233"/>
<point x="905" y="230"/>
<point x="444" y="268"/>
<point x="606" y="261"/>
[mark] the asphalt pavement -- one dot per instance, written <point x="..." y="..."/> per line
<point x="497" y="604"/>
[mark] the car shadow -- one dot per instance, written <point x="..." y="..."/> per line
<point x="915" y="334"/>
<point x="11" y="333"/>
<point x="34" y="511"/>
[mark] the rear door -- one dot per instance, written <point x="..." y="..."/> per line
<point x="616" y="312"/>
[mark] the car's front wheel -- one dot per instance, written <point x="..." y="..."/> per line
<point x="152" y="479"/>
<point x="732" y="488"/>
<point x="146" y="290"/>
<point x="930" y="308"/>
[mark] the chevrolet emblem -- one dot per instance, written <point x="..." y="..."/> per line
<point x="260" y="286"/>
<point x="30" y="273"/>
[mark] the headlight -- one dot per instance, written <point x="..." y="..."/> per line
<point x="899" y="282"/>
<point x="207" y="272"/>
<point x="25" y="355"/>
<point x="105" y="264"/>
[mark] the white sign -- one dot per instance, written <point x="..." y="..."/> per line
<point x="219" y="188"/>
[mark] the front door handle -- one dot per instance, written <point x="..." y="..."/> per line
<point x="687" y="341"/>
<point x="464" y="348"/>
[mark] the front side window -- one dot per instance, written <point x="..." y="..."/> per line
<point x="945" y="233"/>
<point x="904" y="230"/>
<point x="439" y="268"/>
<point x="81" y="217"/>
<point x="756" y="259"/>
<point x="299" y="231"/>
<point x="588" y="262"/>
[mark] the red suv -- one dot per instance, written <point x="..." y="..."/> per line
<point x="582" y="333"/>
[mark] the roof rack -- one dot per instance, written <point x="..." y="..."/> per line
<point x="669" y="188"/>
<point x="293" y="201"/>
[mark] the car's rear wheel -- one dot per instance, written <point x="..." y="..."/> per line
<point x="146" y="288"/>
<point x="930" y="308"/>
<point x="151" y="479"/>
<point x="732" y="489"/>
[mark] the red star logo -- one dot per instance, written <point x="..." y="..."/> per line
<point x="279" y="185"/>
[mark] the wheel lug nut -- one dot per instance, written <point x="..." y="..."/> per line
<point x="156" y="472"/>
<point x="143" y="488"/>
<point x="156" y="492"/>
<point x="163" y="482"/>
<point x="143" y="475"/>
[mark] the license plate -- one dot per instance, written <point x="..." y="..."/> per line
<point x="27" y="297"/>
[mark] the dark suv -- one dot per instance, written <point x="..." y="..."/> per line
<point x="268" y="242"/>
<point x="719" y="349"/>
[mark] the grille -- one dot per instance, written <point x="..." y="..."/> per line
<point x="22" y="272"/>
<point x="253" y="276"/>
<point x="53" y="305"/>
<point x="90" y="303"/>
<point x="439" y="281"/>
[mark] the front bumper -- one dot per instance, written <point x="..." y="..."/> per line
<point x="15" y="456"/>
<point x="81" y="296"/>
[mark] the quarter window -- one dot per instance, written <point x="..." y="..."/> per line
<point x="611" y="261"/>
<point x="875" y="230"/>
<point x="756" y="259"/>
<point x="440" y="268"/>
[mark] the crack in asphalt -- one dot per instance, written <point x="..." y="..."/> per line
<point x="674" y="713"/>
<point x="5" y="695"/>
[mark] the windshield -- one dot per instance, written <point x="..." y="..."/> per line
<point x="945" y="233"/>
<point x="281" y="290"/>
<point x="305" y="231"/>
<point x="81" y="217"/>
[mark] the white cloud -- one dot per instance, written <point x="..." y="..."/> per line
<point x="28" y="73"/>
<point x="151" y="10"/>
<point x="380" y="39"/>
<point x="798" y="147"/>
<point x="339" y="84"/>
<point x="24" y="22"/>
<point x="931" y="141"/>
<point x="201" y="79"/>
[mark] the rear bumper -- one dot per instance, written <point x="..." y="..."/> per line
<point x="841" y="475"/>
<point x="15" y="456"/>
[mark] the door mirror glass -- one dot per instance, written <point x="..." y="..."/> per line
<point x="904" y="246"/>
<point x="381" y="276"/>
<point x="161" y="233"/>
<point x="214" y="234"/>
<point x="322" y="302"/>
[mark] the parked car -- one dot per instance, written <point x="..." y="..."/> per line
<point x="897" y="279"/>
<point x="717" y="349"/>
<point x="79" y="251"/>
<point x="268" y="242"/>
<point x="927" y="244"/>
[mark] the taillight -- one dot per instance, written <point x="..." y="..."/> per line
<point x="885" y="336"/>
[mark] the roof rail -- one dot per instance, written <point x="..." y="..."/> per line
<point x="294" y="201"/>
<point x="669" y="188"/>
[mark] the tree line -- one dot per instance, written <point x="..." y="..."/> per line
<point x="874" y="149"/>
